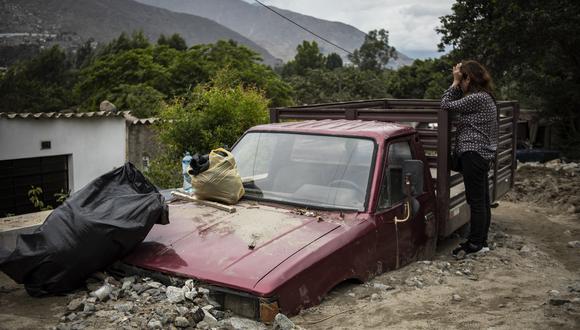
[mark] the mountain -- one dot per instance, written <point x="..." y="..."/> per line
<point x="271" y="31"/>
<point x="69" y="22"/>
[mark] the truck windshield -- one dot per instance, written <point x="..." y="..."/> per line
<point x="312" y="170"/>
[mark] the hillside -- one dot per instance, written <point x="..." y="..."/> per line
<point x="70" y="22"/>
<point x="270" y="31"/>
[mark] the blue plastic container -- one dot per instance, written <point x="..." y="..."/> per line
<point x="186" y="178"/>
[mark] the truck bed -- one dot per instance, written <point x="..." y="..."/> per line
<point x="436" y="130"/>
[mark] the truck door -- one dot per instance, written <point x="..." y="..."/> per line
<point x="410" y="235"/>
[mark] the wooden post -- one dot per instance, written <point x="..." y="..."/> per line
<point x="191" y="198"/>
<point x="443" y="172"/>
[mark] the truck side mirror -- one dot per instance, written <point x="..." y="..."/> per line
<point x="412" y="177"/>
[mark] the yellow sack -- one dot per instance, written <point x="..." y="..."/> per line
<point x="221" y="182"/>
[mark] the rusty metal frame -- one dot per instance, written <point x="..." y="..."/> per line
<point x="438" y="140"/>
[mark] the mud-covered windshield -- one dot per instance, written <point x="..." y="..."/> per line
<point x="314" y="170"/>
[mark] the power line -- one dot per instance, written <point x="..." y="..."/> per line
<point x="303" y="28"/>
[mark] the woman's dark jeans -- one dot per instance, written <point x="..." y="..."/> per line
<point x="474" y="170"/>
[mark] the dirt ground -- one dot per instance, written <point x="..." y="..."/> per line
<point x="530" y="279"/>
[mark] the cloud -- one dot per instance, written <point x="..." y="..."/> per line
<point x="411" y="23"/>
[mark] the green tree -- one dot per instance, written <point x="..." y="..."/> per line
<point x="424" y="79"/>
<point x="333" y="61"/>
<point x="375" y="52"/>
<point x="42" y="83"/>
<point x="107" y="73"/>
<point x="175" y="41"/>
<point x="341" y="84"/>
<point x="124" y="43"/>
<point x="308" y="57"/>
<point x="531" y="47"/>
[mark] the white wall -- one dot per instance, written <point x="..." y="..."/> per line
<point x="94" y="145"/>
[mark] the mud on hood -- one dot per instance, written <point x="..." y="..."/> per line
<point x="231" y="249"/>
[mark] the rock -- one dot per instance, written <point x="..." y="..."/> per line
<point x="375" y="297"/>
<point x="105" y="314"/>
<point x="203" y="291"/>
<point x="190" y="284"/>
<point x="174" y="294"/>
<point x="127" y="282"/>
<point x="155" y="285"/>
<point x="107" y="106"/>
<point x="89" y="308"/>
<point x="574" y="244"/>
<point x="63" y="326"/>
<point x="203" y="325"/>
<point x="103" y="292"/>
<point x="154" y="324"/>
<point x="238" y="323"/>
<point x="208" y="318"/>
<point x="190" y="295"/>
<point x="574" y="287"/>
<point x="182" y="310"/>
<point x="92" y="286"/>
<point x="181" y="322"/>
<point x="75" y="304"/>
<point x="124" y="307"/>
<point x="112" y="281"/>
<point x="197" y="314"/>
<point x="219" y="315"/>
<point x="382" y="286"/>
<point x="525" y="250"/>
<point x="456" y="298"/>
<point x="199" y="301"/>
<point x="554" y="293"/>
<point x="558" y="301"/>
<point x="71" y="316"/>
<point x="281" y="322"/>
<point x="351" y="294"/>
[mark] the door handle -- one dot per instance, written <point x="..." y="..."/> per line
<point x="407" y="210"/>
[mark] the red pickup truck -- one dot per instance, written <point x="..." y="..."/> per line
<point x="334" y="192"/>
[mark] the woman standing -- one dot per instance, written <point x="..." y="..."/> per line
<point x="471" y="98"/>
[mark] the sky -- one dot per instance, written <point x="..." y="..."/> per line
<point x="411" y="23"/>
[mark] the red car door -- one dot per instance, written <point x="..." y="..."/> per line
<point x="400" y="241"/>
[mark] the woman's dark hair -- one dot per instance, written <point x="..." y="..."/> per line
<point x="479" y="78"/>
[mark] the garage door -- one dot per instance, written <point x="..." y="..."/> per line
<point x="17" y="176"/>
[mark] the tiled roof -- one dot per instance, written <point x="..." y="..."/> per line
<point x="57" y="115"/>
<point x="139" y="121"/>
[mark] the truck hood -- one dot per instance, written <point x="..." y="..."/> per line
<point x="231" y="249"/>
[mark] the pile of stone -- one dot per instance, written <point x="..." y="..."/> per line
<point x="143" y="303"/>
<point x="571" y="168"/>
<point x="554" y="184"/>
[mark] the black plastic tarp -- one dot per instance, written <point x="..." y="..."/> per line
<point x="95" y="227"/>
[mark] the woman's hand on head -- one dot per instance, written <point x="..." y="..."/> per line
<point x="457" y="75"/>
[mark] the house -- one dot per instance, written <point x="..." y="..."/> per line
<point x="62" y="152"/>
